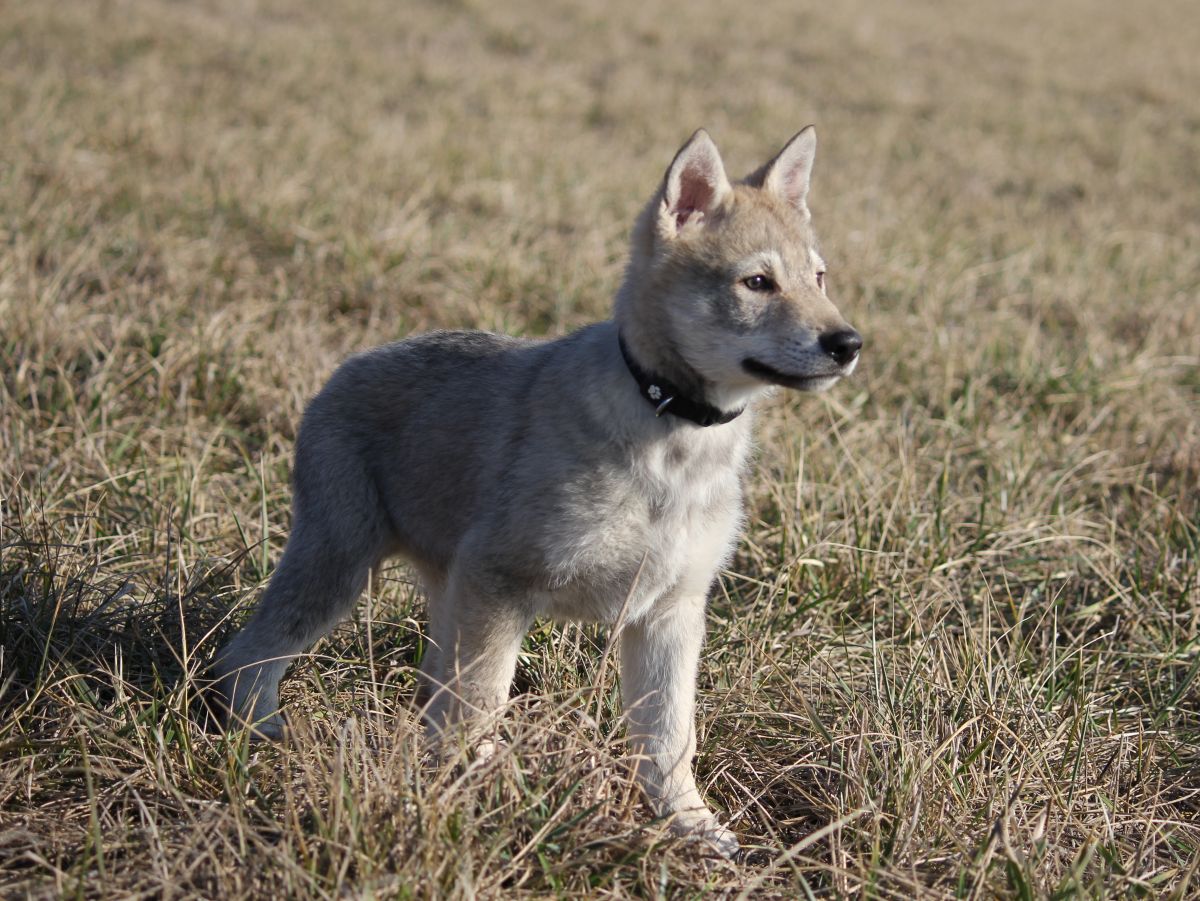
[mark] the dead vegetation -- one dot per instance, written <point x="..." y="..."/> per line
<point x="957" y="654"/>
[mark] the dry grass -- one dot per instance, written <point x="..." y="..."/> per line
<point x="957" y="654"/>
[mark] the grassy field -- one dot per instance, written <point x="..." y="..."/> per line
<point x="956" y="654"/>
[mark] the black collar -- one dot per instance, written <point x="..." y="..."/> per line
<point x="666" y="397"/>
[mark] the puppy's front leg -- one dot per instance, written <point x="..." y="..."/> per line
<point x="659" y="659"/>
<point x="470" y="668"/>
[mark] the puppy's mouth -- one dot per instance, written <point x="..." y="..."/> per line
<point x="800" y="382"/>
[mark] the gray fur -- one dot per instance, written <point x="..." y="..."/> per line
<point x="529" y="478"/>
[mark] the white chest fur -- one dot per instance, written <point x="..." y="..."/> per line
<point x="661" y="527"/>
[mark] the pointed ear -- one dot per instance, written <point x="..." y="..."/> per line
<point x="787" y="176"/>
<point x="695" y="183"/>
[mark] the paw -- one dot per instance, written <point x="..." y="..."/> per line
<point x="488" y="748"/>
<point x="236" y="708"/>
<point x="269" y="728"/>
<point x="708" y="832"/>
<point x="264" y="724"/>
<point x="272" y="727"/>
<point x="454" y="746"/>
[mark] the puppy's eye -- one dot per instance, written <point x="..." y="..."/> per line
<point x="761" y="283"/>
<point x="821" y="280"/>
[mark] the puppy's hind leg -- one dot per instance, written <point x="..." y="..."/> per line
<point x="323" y="571"/>
<point x="433" y="584"/>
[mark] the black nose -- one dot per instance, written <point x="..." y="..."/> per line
<point x="843" y="345"/>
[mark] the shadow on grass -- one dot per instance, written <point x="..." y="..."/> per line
<point x="90" y="626"/>
<point x="78" y="626"/>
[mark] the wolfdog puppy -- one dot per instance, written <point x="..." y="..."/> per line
<point x="595" y="477"/>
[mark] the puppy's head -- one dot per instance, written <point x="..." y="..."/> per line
<point x="732" y="277"/>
